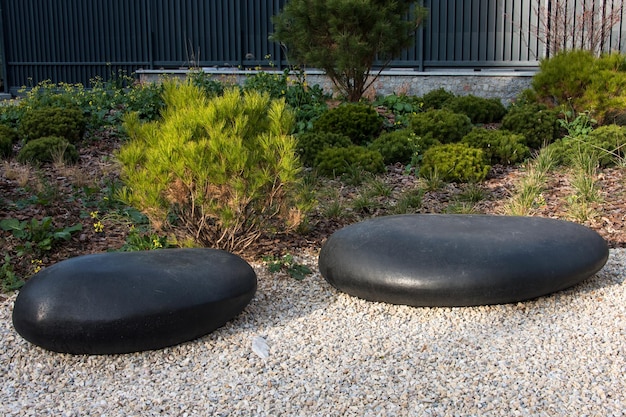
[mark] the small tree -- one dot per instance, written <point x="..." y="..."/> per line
<point x="346" y="37"/>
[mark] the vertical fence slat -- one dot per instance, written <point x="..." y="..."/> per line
<point x="73" y="40"/>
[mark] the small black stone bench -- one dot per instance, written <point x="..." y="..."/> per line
<point x="132" y="301"/>
<point x="459" y="260"/>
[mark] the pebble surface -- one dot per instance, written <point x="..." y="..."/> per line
<point x="324" y="353"/>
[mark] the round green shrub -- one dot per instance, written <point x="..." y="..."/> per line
<point x="478" y="109"/>
<point x="66" y="122"/>
<point x="334" y="162"/>
<point x="455" y="162"/>
<point x="6" y="147"/>
<point x="442" y="125"/>
<point x="310" y="144"/>
<point x="499" y="146"/>
<point x="396" y="146"/>
<point x="435" y="99"/>
<point x="8" y="137"/>
<point x="535" y="122"/>
<point x="47" y="149"/>
<point x="361" y="123"/>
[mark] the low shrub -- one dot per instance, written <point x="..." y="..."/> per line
<point x="499" y="146"/>
<point x="48" y="149"/>
<point x="67" y="122"/>
<point x="441" y="125"/>
<point x="310" y="144"/>
<point x="334" y="162"/>
<point x="535" y="122"/>
<point x="397" y="146"/>
<point x="456" y="162"/>
<point x="361" y="123"/>
<point x="8" y="137"/>
<point x="225" y="168"/>
<point x="478" y="109"/>
<point x="435" y="99"/>
<point x="580" y="81"/>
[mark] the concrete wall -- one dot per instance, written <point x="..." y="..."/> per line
<point x="503" y="84"/>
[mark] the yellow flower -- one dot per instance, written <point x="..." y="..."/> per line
<point x="98" y="227"/>
<point x="93" y="214"/>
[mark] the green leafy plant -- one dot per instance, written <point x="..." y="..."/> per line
<point x="346" y="37"/>
<point x="401" y="106"/>
<point x="359" y="122"/>
<point x="287" y="264"/>
<point x="455" y="162"/>
<point x="224" y="167"/>
<point x="334" y="162"/>
<point x="38" y="235"/>
<point x="9" y="281"/>
<point x="499" y="146"/>
<point x="478" y="109"/>
<point x="47" y="149"/>
<point x="441" y="125"/>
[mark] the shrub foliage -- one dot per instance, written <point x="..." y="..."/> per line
<point x="455" y="162"/>
<point x="67" y="122"/>
<point x="47" y="149"/>
<point x="224" y="167"/>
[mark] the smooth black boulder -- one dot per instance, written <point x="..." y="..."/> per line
<point x="132" y="301"/>
<point x="459" y="260"/>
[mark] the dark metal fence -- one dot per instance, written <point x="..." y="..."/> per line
<point x="76" y="40"/>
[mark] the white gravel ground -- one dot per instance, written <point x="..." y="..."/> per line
<point x="334" y="355"/>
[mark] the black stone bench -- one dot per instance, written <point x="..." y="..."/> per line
<point x="133" y="301"/>
<point x="459" y="260"/>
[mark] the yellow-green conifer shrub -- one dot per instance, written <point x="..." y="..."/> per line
<point x="225" y="167"/>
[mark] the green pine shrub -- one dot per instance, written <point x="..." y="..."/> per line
<point x="47" y="149"/>
<point x="8" y="137"/>
<point x="535" y="122"/>
<point x="580" y="81"/>
<point x="361" y="123"/>
<point x="67" y="122"/>
<point x="436" y="99"/>
<point x="310" y="144"/>
<point x="499" y="146"/>
<point x="397" y="146"/>
<point x="334" y="162"/>
<point x="455" y="162"/>
<point x="478" y="109"/>
<point x="564" y="77"/>
<point x="441" y="125"/>
<point x="225" y="168"/>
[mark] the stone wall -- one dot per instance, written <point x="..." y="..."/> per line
<point x="503" y="84"/>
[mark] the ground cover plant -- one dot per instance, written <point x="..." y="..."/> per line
<point x="57" y="208"/>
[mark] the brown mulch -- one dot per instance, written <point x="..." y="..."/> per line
<point x="69" y="194"/>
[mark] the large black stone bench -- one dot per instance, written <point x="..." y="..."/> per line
<point x="459" y="260"/>
<point x="127" y="302"/>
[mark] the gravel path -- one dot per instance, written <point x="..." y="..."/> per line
<point x="334" y="355"/>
